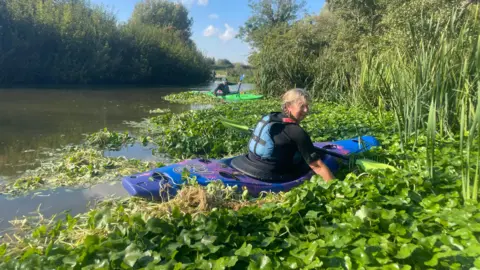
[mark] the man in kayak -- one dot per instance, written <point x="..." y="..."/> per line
<point x="279" y="146"/>
<point x="222" y="89"/>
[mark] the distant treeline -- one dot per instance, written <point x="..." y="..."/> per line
<point x="233" y="71"/>
<point x="73" y="42"/>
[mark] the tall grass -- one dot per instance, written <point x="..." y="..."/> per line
<point x="431" y="88"/>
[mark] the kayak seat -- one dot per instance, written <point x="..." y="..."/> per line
<point x="263" y="173"/>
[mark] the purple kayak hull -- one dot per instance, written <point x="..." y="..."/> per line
<point x="163" y="183"/>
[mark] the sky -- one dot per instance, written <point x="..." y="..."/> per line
<point x="215" y="23"/>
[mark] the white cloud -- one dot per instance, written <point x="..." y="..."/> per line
<point x="213" y="16"/>
<point x="210" y="31"/>
<point x="203" y="2"/>
<point x="228" y="34"/>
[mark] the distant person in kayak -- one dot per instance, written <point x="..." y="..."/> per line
<point x="280" y="150"/>
<point x="222" y="89"/>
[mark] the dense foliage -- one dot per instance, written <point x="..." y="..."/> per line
<point x="385" y="220"/>
<point x="71" y="42"/>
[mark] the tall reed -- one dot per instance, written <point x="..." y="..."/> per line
<point x="430" y="89"/>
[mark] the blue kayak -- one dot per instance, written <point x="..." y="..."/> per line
<point x="164" y="182"/>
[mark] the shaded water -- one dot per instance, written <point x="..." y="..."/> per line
<point x="52" y="202"/>
<point x="36" y="119"/>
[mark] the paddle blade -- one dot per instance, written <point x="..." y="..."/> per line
<point x="370" y="165"/>
<point x="232" y="124"/>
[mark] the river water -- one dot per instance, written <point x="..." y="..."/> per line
<point x="32" y="120"/>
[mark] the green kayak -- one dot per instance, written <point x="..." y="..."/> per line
<point x="234" y="96"/>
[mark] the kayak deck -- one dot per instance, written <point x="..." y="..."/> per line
<point x="161" y="183"/>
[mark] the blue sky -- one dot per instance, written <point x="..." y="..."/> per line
<point x="215" y="23"/>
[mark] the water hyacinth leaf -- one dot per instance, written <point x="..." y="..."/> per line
<point x="473" y="249"/>
<point x="70" y="260"/>
<point x="208" y="239"/>
<point x="388" y="214"/>
<point x="397" y="229"/>
<point x="260" y="261"/>
<point x="225" y="262"/>
<point x="372" y="166"/>
<point x="463" y="233"/>
<point x="244" y="250"/>
<point x="477" y="262"/>
<point x="360" y="256"/>
<point x="315" y="264"/>
<point x="406" y="250"/>
<point x="3" y="249"/>
<point x="362" y="213"/>
<point x="348" y="262"/>
<point x="132" y="254"/>
<point x="311" y="214"/>
<point x="157" y="225"/>
<point x="40" y="231"/>
<point x="267" y="241"/>
<point x="91" y="241"/>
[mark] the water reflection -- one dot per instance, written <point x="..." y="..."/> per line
<point x="138" y="151"/>
<point x="52" y="202"/>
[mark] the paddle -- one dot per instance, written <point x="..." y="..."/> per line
<point x="240" y="84"/>
<point x="365" y="164"/>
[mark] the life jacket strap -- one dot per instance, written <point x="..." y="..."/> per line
<point x="289" y="120"/>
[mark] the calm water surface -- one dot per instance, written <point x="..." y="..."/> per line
<point x="36" y="119"/>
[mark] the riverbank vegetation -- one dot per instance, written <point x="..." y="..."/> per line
<point x="74" y="42"/>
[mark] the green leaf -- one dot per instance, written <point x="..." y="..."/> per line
<point x="362" y="213"/>
<point x="291" y="262"/>
<point x="3" y="249"/>
<point x="159" y="226"/>
<point x="311" y="214"/>
<point x="406" y="250"/>
<point x="208" y="239"/>
<point x="244" y="250"/>
<point x="39" y="232"/>
<point x="132" y="254"/>
<point x="267" y="241"/>
<point x="176" y="213"/>
<point x="477" y="262"/>
<point x="360" y="255"/>
<point x="91" y="241"/>
<point x="265" y="262"/>
<point x="397" y="229"/>
<point x="388" y="214"/>
<point x="225" y="262"/>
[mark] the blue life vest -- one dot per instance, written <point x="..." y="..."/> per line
<point x="261" y="144"/>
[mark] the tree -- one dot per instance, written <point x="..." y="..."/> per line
<point x="268" y="14"/>
<point x="224" y="63"/>
<point x="164" y="14"/>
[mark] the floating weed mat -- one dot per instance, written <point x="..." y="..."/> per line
<point x="75" y="166"/>
<point x="192" y="97"/>
<point x="108" y="140"/>
<point x="115" y="214"/>
<point x="388" y="220"/>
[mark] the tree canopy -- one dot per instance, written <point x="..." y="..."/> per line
<point x="72" y="41"/>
